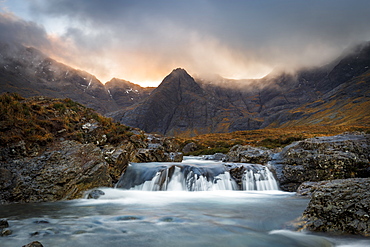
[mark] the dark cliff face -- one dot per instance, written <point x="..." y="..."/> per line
<point x="178" y="104"/>
<point x="125" y="93"/>
<point x="331" y="94"/>
<point x="336" y="93"/>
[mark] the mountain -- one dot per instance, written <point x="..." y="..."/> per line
<point x="29" y="72"/>
<point x="337" y="93"/>
<point x="126" y="93"/>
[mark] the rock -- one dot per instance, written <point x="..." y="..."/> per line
<point x="248" y="154"/>
<point x="94" y="194"/>
<point x="5" y="232"/>
<point x="323" y="158"/>
<point x="173" y="157"/>
<point x="33" y="244"/>
<point x="339" y="206"/>
<point x="216" y="156"/>
<point x="190" y="147"/>
<point x="63" y="172"/>
<point x="4" y="224"/>
<point x="118" y="157"/>
<point x="3" y="228"/>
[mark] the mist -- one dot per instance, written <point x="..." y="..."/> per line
<point x="142" y="41"/>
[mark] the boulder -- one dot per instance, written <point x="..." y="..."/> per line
<point x="4" y="224"/>
<point x="216" y="156"/>
<point x="33" y="244"/>
<point x="189" y="147"/>
<point x="4" y="231"/>
<point x="248" y="154"/>
<point x="339" y="206"/>
<point x="94" y="194"/>
<point x="323" y="158"/>
<point x="64" y="171"/>
<point x="119" y="156"/>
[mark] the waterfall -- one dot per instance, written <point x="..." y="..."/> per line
<point x="257" y="177"/>
<point x="195" y="175"/>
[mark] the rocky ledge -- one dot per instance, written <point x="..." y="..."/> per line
<point x="338" y="206"/>
<point x="68" y="168"/>
<point x="322" y="158"/>
<point x="55" y="149"/>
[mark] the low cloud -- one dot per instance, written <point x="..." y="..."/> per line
<point x="14" y="29"/>
<point x="142" y="41"/>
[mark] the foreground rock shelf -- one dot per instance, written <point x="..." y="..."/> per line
<point x="338" y="206"/>
<point x="323" y="158"/>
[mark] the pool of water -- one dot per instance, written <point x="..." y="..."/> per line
<point x="166" y="218"/>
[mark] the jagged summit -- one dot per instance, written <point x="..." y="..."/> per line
<point x="178" y="81"/>
<point x="335" y="94"/>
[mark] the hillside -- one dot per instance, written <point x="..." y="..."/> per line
<point x="335" y="94"/>
<point x="57" y="149"/>
<point x="38" y="122"/>
<point x="29" y="72"/>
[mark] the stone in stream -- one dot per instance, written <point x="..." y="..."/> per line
<point x="322" y="158"/>
<point x="338" y="206"/>
<point x="33" y="244"/>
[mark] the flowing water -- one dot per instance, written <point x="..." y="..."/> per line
<point x="176" y="214"/>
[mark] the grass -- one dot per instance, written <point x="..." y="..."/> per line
<point x="40" y="120"/>
<point x="269" y="137"/>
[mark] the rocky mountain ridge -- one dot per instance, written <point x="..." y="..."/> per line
<point x="29" y="72"/>
<point x="337" y="93"/>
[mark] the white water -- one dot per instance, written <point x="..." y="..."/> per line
<point x="195" y="175"/>
<point x="261" y="180"/>
<point x="217" y="216"/>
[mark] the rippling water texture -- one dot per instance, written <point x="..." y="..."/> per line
<point x="166" y="218"/>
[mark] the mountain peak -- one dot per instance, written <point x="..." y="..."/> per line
<point x="179" y="78"/>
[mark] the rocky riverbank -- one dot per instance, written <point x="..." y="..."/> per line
<point x="333" y="171"/>
<point x="338" y="206"/>
<point x="52" y="149"/>
<point x="314" y="159"/>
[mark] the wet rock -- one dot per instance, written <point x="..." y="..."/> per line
<point x="4" y="224"/>
<point x="216" y="156"/>
<point x="33" y="244"/>
<point x="339" y="206"/>
<point x="95" y="194"/>
<point x="63" y="172"/>
<point x="248" y="154"/>
<point x="3" y="228"/>
<point x="173" y="157"/>
<point x="5" y="232"/>
<point x="323" y="158"/>
<point x="118" y="157"/>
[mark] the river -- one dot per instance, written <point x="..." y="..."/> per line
<point x="121" y="217"/>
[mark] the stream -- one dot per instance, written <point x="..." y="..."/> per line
<point x="170" y="216"/>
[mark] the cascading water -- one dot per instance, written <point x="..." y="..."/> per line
<point x="195" y="176"/>
<point x="229" y="212"/>
<point x="257" y="177"/>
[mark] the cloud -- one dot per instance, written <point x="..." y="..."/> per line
<point x="14" y="29"/>
<point x="144" y="40"/>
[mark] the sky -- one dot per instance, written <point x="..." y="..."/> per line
<point x="144" y="40"/>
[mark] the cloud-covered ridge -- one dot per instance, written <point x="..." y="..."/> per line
<point x="144" y="40"/>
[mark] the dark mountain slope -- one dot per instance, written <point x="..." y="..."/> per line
<point x="333" y="94"/>
<point x="30" y="73"/>
<point x="125" y="93"/>
<point x="181" y="105"/>
<point x="177" y="103"/>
